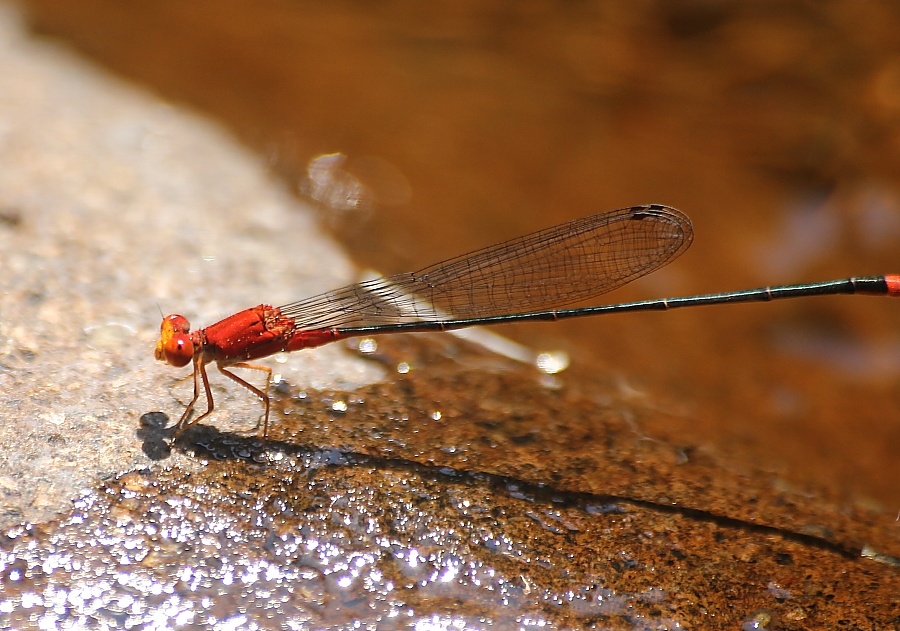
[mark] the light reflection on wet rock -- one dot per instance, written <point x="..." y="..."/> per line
<point x="306" y="545"/>
<point x="327" y="539"/>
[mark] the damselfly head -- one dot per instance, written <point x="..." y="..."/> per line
<point x="175" y="346"/>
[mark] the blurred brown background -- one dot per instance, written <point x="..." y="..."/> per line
<point x="774" y="124"/>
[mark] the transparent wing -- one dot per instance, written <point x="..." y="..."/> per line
<point x="544" y="270"/>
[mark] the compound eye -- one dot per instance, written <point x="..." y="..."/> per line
<point x="175" y="346"/>
<point x="174" y="324"/>
<point x="179" y="350"/>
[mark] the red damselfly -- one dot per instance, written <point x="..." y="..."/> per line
<point x="527" y="278"/>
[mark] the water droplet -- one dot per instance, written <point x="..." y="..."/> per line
<point x="553" y="362"/>
<point x="367" y="345"/>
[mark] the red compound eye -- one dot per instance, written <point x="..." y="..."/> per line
<point x="175" y="346"/>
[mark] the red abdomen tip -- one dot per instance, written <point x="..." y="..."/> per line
<point x="893" y="285"/>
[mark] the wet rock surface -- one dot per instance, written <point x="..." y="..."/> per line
<point x="465" y="490"/>
<point x="375" y="513"/>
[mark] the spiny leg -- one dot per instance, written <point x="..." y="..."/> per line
<point x="200" y="367"/>
<point x="262" y="394"/>
<point x="183" y="379"/>
<point x="190" y="406"/>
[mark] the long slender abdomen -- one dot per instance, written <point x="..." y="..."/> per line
<point x="310" y="339"/>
